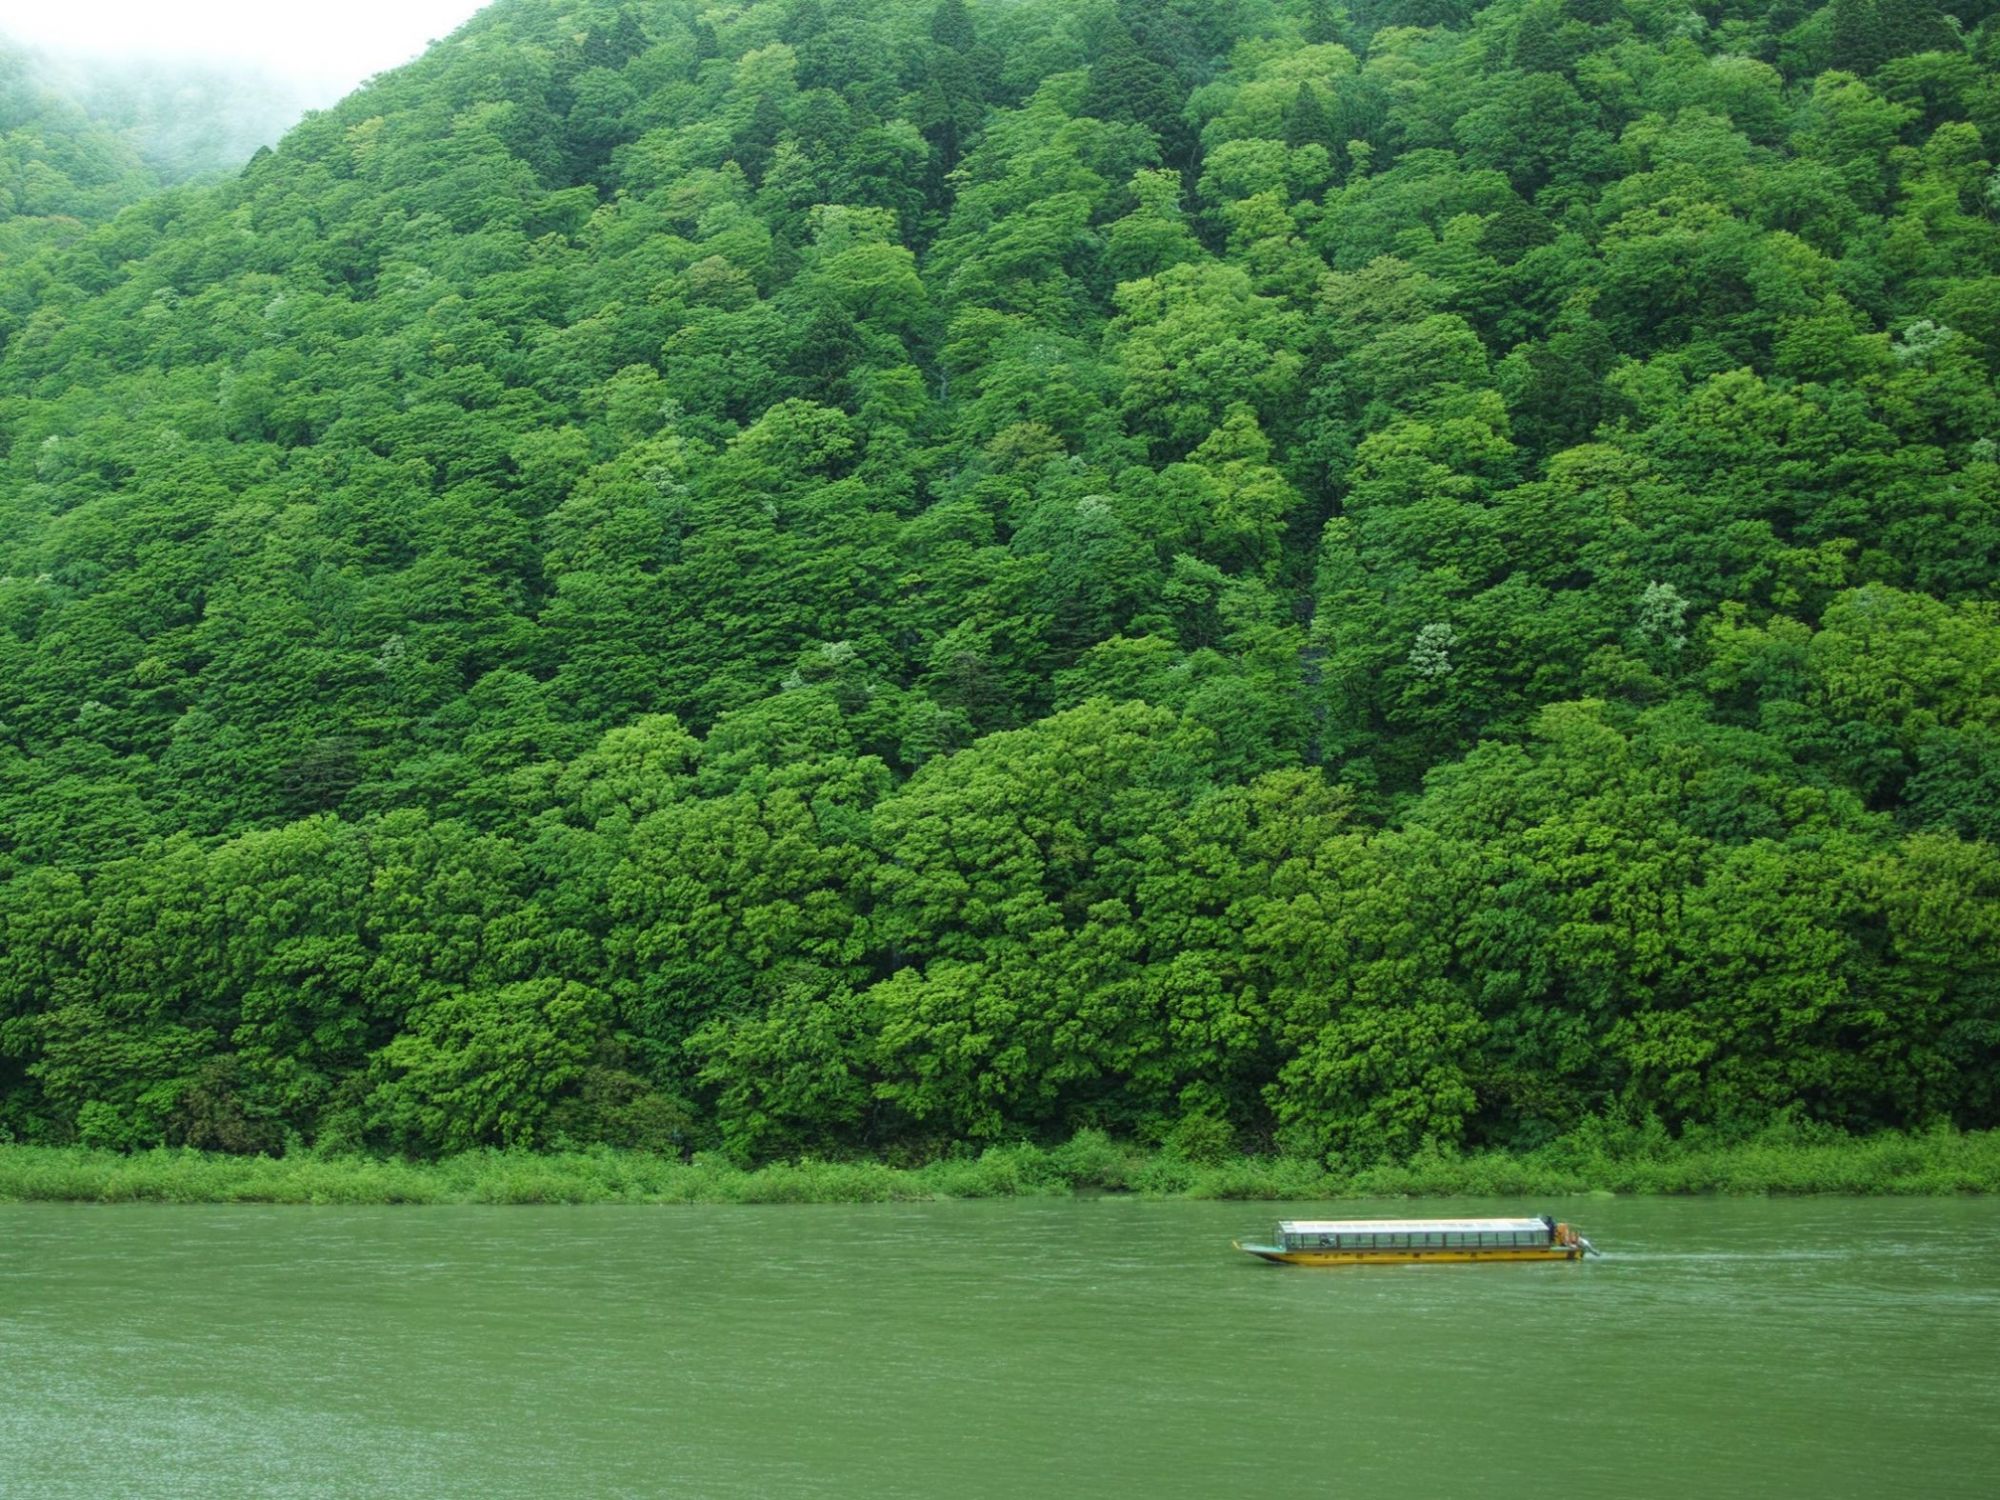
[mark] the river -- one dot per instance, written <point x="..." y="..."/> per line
<point x="1102" y="1348"/>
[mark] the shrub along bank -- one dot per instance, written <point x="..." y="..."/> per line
<point x="1778" y="1162"/>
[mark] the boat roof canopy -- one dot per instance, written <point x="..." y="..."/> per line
<point x="1412" y="1226"/>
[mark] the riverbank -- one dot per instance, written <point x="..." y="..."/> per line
<point x="1935" y="1163"/>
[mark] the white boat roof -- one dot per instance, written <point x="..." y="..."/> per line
<point x="1412" y="1226"/>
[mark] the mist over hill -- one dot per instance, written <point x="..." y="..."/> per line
<point x="187" y="121"/>
<point x="184" y="121"/>
<point x="852" y="575"/>
<point x="59" y="168"/>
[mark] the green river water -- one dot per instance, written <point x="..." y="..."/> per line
<point x="1100" y="1348"/>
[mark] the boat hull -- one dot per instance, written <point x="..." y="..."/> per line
<point x="1408" y="1257"/>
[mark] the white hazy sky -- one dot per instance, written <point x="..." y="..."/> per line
<point x="323" y="47"/>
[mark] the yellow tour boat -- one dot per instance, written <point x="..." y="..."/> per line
<point x="1398" y="1242"/>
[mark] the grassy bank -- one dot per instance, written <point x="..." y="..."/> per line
<point x="1940" y="1162"/>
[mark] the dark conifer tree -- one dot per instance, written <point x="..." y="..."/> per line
<point x="756" y="141"/>
<point x="1538" y="46"/>
<point x="804" y="20"/>
<point x="826" y="354"/>
<point x="1168" y="34"/>
<point x="1590" y="12"/>
<point x="1565" y="395"/>
<point x="1126" y="84"/>
<point x="1307" y="122"/>
<point x="1324" y="24"/>
<point x="947" y="108"/>
<point x="1428" y="12"/>
<point x="1779" y="19"/>
<point x="1910" y="26"/>
<point x="1514" y="231"/>
<point x="613" y="44"/>
<point x="1859" y="45"/>
<point x="951" y="26"/>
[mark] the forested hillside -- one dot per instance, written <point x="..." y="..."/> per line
<point x="848" y="575"/>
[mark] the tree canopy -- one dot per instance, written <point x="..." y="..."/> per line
<point x="849" y="577"/>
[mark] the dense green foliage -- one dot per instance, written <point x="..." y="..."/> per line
<point x="844" y="575"/>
